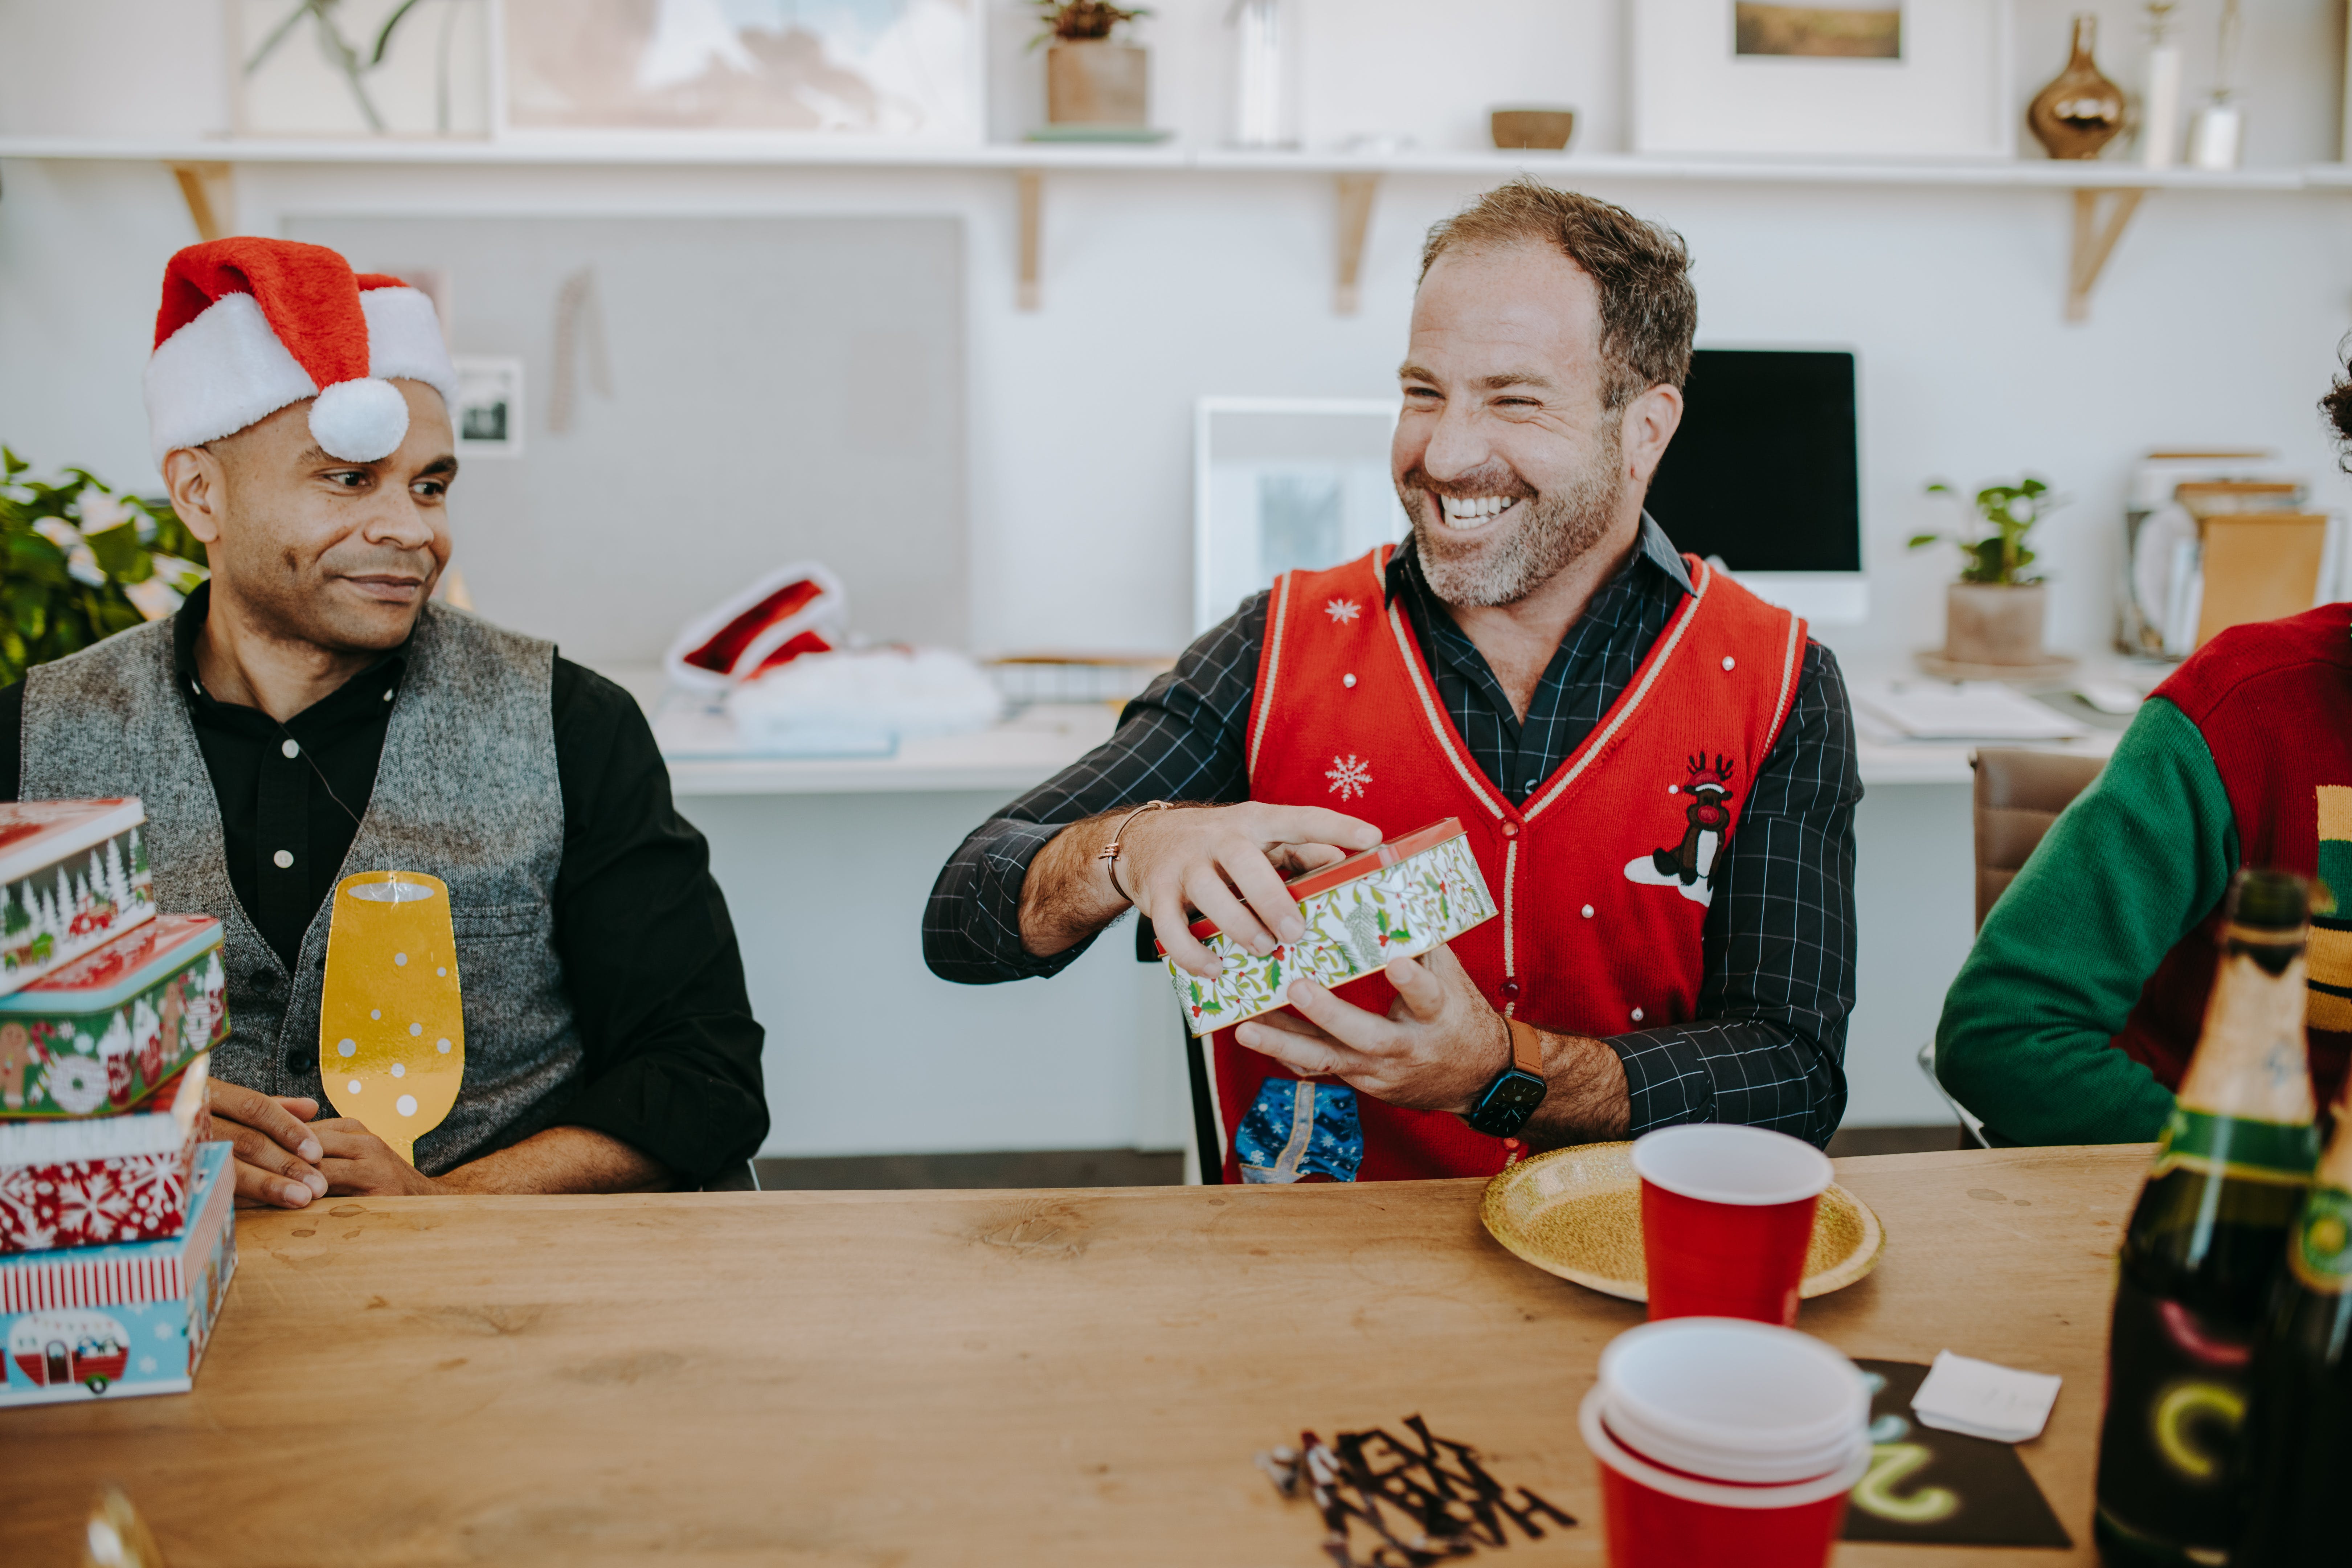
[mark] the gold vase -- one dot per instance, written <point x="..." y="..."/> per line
<point x="2081" y="110"/>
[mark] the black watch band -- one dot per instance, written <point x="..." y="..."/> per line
<point x="1504" y="1106"/>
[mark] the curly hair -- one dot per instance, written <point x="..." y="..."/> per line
<point x="1648" y="308"/>
<point x="2338" y="407"/>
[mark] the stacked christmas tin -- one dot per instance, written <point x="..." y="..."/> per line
<point x="116" y="1242"/>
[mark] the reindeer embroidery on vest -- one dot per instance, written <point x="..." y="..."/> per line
<point x="1689" y="866"/>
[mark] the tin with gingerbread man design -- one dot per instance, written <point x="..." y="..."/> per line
<point x="96" y="1037"/>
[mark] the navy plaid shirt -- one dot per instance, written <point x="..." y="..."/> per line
<point x="1767" y="1048"/>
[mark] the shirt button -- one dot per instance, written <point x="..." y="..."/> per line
<point x="282" y="860"/>
<point x="387" y="695"/>
<point x="1637" y="1014"/>
<point x="1510" y="990"/>
<point x="291" y="749"/>
<point x="1510" y="830"/>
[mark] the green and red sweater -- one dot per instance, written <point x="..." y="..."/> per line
<point x="2077" y="1010"/>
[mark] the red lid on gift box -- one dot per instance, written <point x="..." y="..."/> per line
<point x="38" y="832"/>
<point x="1307" y="884"/>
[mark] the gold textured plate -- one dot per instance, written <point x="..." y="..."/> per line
<point x="1577" y="1213"/>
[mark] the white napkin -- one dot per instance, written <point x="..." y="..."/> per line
<point x="1982" y="1399"/>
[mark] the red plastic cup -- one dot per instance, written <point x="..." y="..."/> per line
<point x="1726" y="1217"/>
<point x="1720" y="1441"/>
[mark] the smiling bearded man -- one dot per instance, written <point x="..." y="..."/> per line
<point x="309" y="713"/>
<point x="1656" y="768"/>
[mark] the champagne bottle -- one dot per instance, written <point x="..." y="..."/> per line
<point x="2205" y="1245"/>
<point x="2298" y="1447"/>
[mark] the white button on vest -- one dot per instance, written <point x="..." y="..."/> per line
<point x="1588" y="911"/>
<point x="1348" y="680"/>
<point x="282" y="860"/>
<point x="1727" y="661"/>
<point x="291" y="749"/>
<point x="1637" y="1014"/>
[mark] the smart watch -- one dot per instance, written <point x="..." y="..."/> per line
<point x="1504" y="1105"/>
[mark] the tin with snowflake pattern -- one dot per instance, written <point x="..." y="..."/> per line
<point x="116" y="1322"/>
<point x="104" y="1180"/>
<point x="98" y="1035"/>
<point x="1398" y="899"/>
<point x="73" y="877"/>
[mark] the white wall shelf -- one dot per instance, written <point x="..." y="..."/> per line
<point x="205" y="166"/>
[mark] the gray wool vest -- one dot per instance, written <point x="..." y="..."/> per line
<point x="466" y="791"/>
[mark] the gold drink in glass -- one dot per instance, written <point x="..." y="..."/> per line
<point x="392" y="1022"/>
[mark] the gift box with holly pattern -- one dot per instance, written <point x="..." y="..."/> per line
<point x="1399" y="899"/>
<point x="98" y="1035"/>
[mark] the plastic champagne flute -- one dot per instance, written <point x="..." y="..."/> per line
<point x="392" y="1022"/>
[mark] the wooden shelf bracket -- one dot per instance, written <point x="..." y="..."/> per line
<point x="2094" y="241"/>
<point x="1358" y="194"/>
<point x="206" y="188"/>
<point x="1030" y="297"/>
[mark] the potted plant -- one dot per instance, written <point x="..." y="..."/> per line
<point x="1090" y="78"/>
<point x="78" y="562"/>
<point x="1993" y="615"/>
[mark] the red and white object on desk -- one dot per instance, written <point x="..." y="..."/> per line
<point x="1725" y="1441"/>
<point x="103" y="1032"/>
<point x="1726" y="1219"/>
<point x="125" y="1320"/>
<point x="796" y="609"/>
<point x="1397" y="899"/>
<point x="104" y="1180"/>
<point x="73" y="877"/>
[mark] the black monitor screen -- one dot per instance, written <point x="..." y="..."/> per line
<point x="1762" y="471"/>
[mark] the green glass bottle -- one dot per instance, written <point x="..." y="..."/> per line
<point x="2298" y="1447"/>
<point x="2205" y="1245"/>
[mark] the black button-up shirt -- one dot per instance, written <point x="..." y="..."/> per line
<point x="1769" y="1045"/>
<point x="649" y="955"/>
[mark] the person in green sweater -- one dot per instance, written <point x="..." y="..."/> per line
<point x="2079" y="1006"/>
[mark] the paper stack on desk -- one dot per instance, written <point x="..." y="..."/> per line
<point x="1948" y="711"/>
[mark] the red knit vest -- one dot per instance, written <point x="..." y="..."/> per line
<point x="2273" y="701"/>
<point x="1601" y="875"/>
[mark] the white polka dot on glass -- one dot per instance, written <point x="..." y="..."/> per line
<point x="347" y="1048"/>
<point x="400" y="1069"/>
<point x="441" y="973"/>
<point x="400" y="958"/>
<point x="353" y="1086"/>
<point x="405" y="1105"/>
<point x="375" y="1012"/>
<point x="441" y="1046"/>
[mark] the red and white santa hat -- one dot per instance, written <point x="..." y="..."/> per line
<point x="249" y="326"/>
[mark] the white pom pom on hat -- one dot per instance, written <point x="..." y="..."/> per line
<point x="360" y="421"/>
<point x="249" y="326"/>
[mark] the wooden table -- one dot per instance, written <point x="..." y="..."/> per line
<point x="964" y="1377"/>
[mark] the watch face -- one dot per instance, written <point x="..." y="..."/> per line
<point x="1507" y="1104"/>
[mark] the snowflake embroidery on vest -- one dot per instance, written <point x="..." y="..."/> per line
<point x="1342" y="611"/>
<point x="1690" y="868"/>
<point x="1348" y="775"/>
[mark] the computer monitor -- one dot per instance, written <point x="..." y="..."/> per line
<point x="1764" y="475"/>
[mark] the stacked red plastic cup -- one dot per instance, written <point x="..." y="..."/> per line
<point x="1722" y="1440"/>
<point x="1727" y="1218"/>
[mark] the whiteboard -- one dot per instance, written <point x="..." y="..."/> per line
<point x="781" y="389"/>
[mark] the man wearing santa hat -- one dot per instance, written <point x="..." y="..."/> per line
<point x="311" y="712"/>
<point x="1655" y="768"/>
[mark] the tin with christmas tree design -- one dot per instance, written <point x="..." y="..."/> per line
<point x="99" y="1035"/>
<point x="73" y="877"/>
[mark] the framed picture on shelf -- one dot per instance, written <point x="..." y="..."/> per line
<point x="902" y="69"/>
<point x="488" y="415"/>
<point x="1866" y="78"/>
<point x="1286" y="482"/>
<point x="360" y="68"/>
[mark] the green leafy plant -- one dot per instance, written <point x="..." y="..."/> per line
<point x="355" y="61"/>
<point x="1079" y="21"/>
<point x="1995" y="552"/>
<point x="79" y="562"/>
